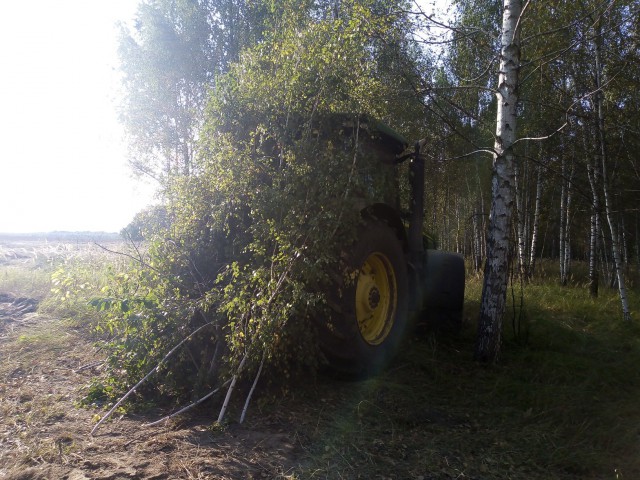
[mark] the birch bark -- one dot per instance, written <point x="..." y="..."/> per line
<point x="521" y="214"/>
<point x="496" y="272"/>
<point x="563" y="213"/>
<point x="565" y="223"/>
<point x="536" y="222"/>
<point x="594" y="233"/>
<point x="615" y="246"/>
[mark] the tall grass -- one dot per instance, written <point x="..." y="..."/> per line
<point x="25" y="282"/>
<point x="52" y="272"/>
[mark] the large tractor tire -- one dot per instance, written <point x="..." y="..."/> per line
<point x="369" y="304"/>
<point x="443" y="291"/>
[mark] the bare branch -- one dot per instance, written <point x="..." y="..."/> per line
<point x="482" y="150"/>
<point x="234" y="379"/>
<point x="188" y="407"/>
<point x="253" y="387"/>
<point x="155" y="369"/>
<point x="546" y="137"/>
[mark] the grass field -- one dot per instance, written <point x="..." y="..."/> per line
<point x="562" y="403"/>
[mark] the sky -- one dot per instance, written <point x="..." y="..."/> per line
<point x="63" y="160"/>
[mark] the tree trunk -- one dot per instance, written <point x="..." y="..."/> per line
<point x="521" y="213"/>
<point x="477" y="242"/>
<point x="482" y="226"/>
<point x="601" y="138"/>
<point x="625" y="247"/>
<point x="637" y="246"/>
<point x="593" y="173"/>
<point x="565" y="224"/>
<point x="496" y="272"/>
<point x="567" y="228"/>
<point x="536" y="222"/>
<point x="563" y="213"/>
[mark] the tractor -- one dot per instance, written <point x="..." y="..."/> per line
<point x="389" y="279"/>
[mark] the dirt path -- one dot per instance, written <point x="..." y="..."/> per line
<point x="44" y="365"/>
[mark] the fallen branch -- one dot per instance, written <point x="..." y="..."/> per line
<point x="188" y="407"/>
<point x="253" y="387"/>
<point x="88" y="366"/>
<point x="155" y="369"/>
<point x="234" y="379"/>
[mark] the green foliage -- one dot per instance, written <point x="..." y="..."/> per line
<point x="73" y="281"/>
<point x="168" y="62"/>
<point x="145" y="222"/>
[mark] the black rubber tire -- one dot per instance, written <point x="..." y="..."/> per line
<point x="444" y="291"/>
<point x="342" y="342"/>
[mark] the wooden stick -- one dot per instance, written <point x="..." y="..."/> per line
<point x="155" y="369"/>
<point x="234" y="379"/>
<point x="188" y="407"/>
<point x="253" y="387"/>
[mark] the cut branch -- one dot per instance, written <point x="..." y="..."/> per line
<point x="234" y="379"/>
<point x="188" y="407"/>
<point x="155" y="369"/>
<point x="253" y="387"/>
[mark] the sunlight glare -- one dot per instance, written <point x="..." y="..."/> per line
<point x="63" y="161"/>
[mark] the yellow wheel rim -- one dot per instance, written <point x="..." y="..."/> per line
<point x="376" y="298"/>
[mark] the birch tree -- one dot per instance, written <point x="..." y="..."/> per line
<point x="593" y="172"/>
<point x="536" y="224"/>
<point x="566" y="180"/>
<point x="494" y="288"/>
<point x="602" y="154"/>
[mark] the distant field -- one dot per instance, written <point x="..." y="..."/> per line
<point x="40" y="248"/>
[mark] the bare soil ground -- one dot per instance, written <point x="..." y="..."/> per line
<point x="321" y="428"/>
<point x="43" y="434"/>
<point x="46" y="364"/>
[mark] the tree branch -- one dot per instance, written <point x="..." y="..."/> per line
<point x="253" y="387"/>
<point x="155" y="369"/>
<point x="188" y="407"/>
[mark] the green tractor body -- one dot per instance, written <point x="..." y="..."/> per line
<point x="389" y="281"/>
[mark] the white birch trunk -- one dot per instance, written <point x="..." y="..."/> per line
<point x="477" y="244"/>
<point x="521" y="213"/>
<point x="615" y="248"/>
<point x="637" y="246"/>
<point x="563" y="213"/>
<point x="565" y="226"/>
<point x="536" y="223"/>
<point x="567" y="230"/>
<point x="526" y="226"/>
<point x="625" y="247"/>
<point x="496" y="272"/>
<point x="593" y="173"/>
<point x="482" y="227"/>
